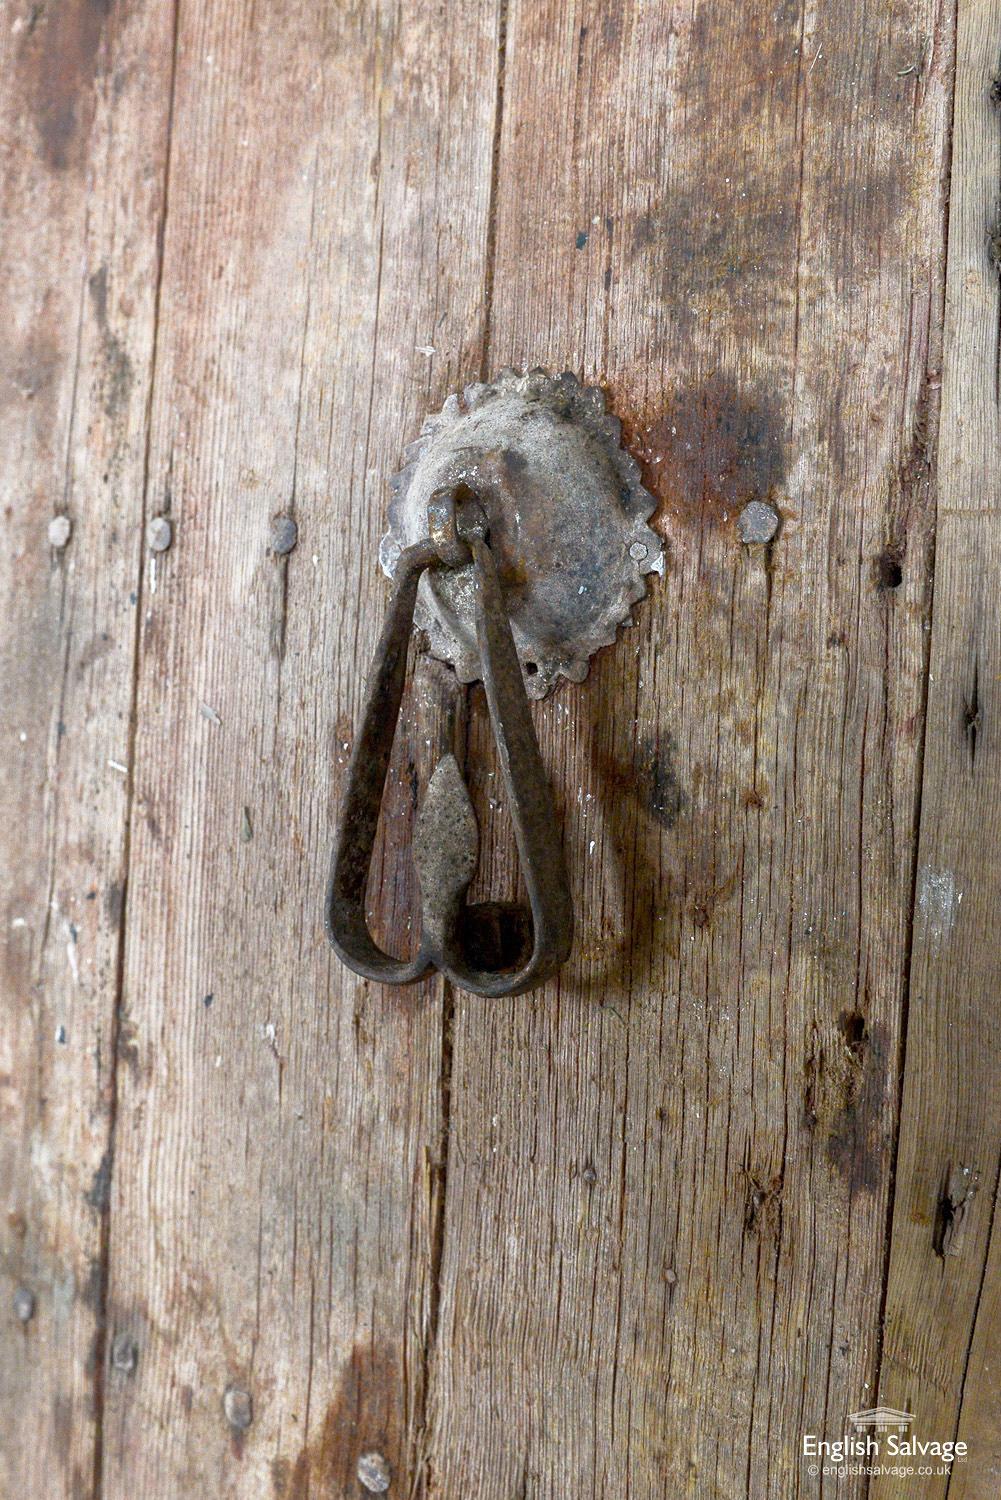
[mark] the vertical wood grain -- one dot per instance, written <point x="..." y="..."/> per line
<point x="668" y="1175"/>
<point x="83" y="132"/>
<point x="277" y="1185"/>
<point x="637" y="1232"/>
<point x="943" y="1323"/>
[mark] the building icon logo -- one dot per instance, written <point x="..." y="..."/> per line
<point x="880" y="1419"/>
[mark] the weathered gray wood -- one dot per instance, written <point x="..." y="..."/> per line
<point x="277" y="1195"/>
<point x="83" y="130"/>
<point x="630" y="1234"/>
<point x="943" y="1324"/>
<point x="665" y="1225"/>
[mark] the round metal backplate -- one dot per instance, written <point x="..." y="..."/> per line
<point x="567" y="515"/>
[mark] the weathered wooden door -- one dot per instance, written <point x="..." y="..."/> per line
<point x="732" y="1176"/>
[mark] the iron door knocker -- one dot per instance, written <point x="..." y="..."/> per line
<point x="518" y="541"/>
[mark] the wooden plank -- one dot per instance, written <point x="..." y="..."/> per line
<point x="668" y="1172"/>
<point x="979" y="1428"/>
<point x="943" y="1321"/>
<point x="83" y="130"/>
<point x="277" y="1194"/>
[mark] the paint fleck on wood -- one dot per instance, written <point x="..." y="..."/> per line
<point x="938" y="901"/>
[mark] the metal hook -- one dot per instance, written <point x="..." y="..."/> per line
<point x="446" y="842"/>
<point x="521" y="480"/>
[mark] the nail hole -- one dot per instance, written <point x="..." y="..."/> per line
<point x="531" y="667"/>
<point x="852" y="1026"/>
<point x="889" y="573"/>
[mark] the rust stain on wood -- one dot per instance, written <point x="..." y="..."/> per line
<point x="710" y="449"/>
<point x="358" y="1419"/>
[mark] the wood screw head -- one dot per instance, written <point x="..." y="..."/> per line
<point x="758" y="522"/>
<point x="238" y="1407"/>
<point x="124" y="1353"/>
<point x="159" y="534"/>
<point x="374" y="1473"/>
<point x="24" y="1304"/>
<point x="60" y="531"/>
<point x="284" y="535"/>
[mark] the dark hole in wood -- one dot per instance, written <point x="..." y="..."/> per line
<point x="889" y="573"/>
<point x="497" y="934"/>
<point x="854" y="1030"/>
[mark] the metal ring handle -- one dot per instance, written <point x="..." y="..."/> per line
<point x="446" y="842"/>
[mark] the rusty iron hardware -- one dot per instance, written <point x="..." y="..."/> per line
<point x="446" y="844"/>
<point x="518" y="542"/>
